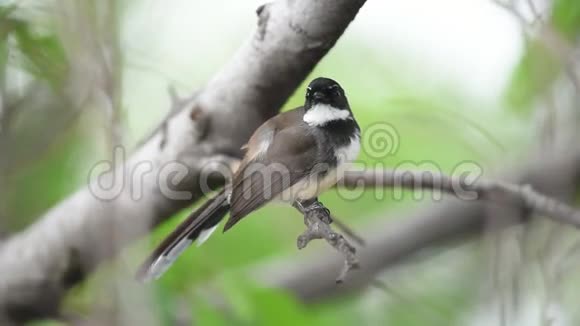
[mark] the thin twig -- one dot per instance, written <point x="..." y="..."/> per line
<point x="509" y="7"/>
<point x="317" y="220"/>
<point x="347" y="230"/>
<point x="534" y="10"/>
<point x="469" y="191"/>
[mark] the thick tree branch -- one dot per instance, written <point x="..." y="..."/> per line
<point x="41" y="263"/>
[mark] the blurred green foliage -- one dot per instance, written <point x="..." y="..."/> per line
<point x="40" y="54"/>
<point x="566" y="18"/>
<point x="541" y="62"/>
<point x="33" y="71"/>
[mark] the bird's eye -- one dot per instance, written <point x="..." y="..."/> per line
<point x="336" y="91"/>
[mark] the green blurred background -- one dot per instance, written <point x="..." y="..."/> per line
<point x="457" y="80"/>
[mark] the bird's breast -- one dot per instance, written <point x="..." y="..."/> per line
<point x="348" y="152"/>
<point x="310" y="187"/>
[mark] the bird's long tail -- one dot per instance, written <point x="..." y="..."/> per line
<point x="198" y="226"/>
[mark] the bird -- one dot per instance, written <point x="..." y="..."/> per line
<point x="292" y="157"/>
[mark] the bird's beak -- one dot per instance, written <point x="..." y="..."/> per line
<point x="318" y="96"/>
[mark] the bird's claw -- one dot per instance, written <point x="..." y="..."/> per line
<point x="324" y="212"/>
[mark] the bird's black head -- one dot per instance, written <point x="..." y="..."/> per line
<point x="325" y="91"/>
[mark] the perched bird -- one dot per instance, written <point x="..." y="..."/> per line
<point x="293" y="157"/>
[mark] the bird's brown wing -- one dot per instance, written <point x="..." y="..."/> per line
<point x="288" y="159"/>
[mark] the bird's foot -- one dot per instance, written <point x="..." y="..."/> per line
<point x="314" y="207"/>
<point x="317" y="220"/>
<point x="321" y="211"/>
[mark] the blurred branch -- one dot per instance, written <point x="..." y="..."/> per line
<point x="390" y="242"/>
<point x="510" y="7"/>
<point x="534" y="10"/>
<point x="498" y="191"/>
<point x="36" y="95"/>
<point x="550" y="47"/>
<point x="40" y="264"/>
<point x="111" y="57"/>
<point x="91" y="39"/>
<point x="519" y="197"/>
<point x="548" y="80"/>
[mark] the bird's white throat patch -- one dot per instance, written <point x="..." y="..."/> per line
<point x="321" y="114"/>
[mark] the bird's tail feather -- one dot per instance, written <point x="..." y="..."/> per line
<point x="199" y="225"/>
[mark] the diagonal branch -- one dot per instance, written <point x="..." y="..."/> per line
<point x="40" y="264"/>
